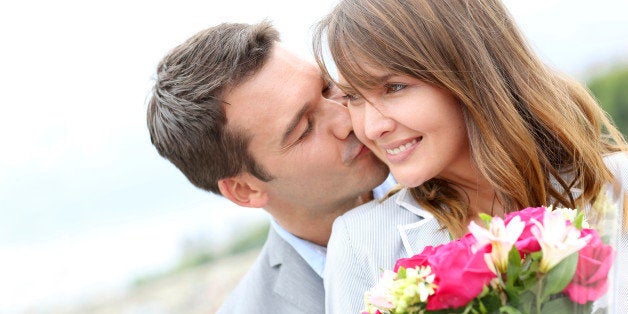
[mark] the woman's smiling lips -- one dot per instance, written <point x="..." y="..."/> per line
<point x="401" y="150"/>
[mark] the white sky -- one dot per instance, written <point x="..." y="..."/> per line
<point x="85" y="201"/>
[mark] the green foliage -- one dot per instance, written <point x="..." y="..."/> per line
<point x="514" y="269"/>
<point x="486" y="219"/>
<point x="610" y="88"/>
<point x="197" y="259"/>
<point x="201" y="254"/>
<point x="253" y="238"/>
<point x="559" y="277"/>
<point x="532" y="292"/>
<point x="148" y="279"/>
<point x="562" y="305"/>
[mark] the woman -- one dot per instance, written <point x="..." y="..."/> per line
<point x="467" y="117"/>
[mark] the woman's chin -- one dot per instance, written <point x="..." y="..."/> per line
<point x="407" y="180"/>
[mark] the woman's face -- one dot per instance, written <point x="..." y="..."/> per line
<point x="417" y="129"/>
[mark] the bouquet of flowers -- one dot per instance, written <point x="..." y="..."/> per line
<point x="536" y="260"/>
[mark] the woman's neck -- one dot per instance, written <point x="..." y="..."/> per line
<point x="480" y="195"/>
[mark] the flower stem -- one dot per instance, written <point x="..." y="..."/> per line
<point x="539" y="296"/>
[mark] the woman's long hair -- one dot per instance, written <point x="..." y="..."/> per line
<point x="534" y="133"/>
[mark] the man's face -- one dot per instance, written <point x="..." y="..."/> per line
<point x="301" y="137"/>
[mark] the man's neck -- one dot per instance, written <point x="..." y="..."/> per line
<point x="316" y="227"/>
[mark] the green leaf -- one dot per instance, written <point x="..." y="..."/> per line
<point x="514" y="267"/>
<point x="579" y="220"/>
<point x="564" y="305"/>
<point x="528" y="299"/>
<point x="560" y="276"/>
<point x="536" y="255"/>
<point x="401" y="272"/>
<point x="530" y="268"/>
<point x="491" y="302"/>
<point x="557" y="306"/>
<point x="527" y="302"/>
<point x="513" y="294"/>
<point x="509" y="310"/>
<point x="486" y="218"/>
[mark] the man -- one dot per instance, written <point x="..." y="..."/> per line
<point x="241" y="116"/>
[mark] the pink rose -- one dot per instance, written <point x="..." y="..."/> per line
<point x="594" y="262"/>
<point x="416" y="260"/>
<point x="452" y="264"/>
<point x="527" y="243"/>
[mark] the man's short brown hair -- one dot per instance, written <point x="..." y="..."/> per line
<point x="186" y="116"/>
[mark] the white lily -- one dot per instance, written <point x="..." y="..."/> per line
<point x="571" y="214"/>
<point x="557" y="239"/>
<point x="380" y="295"/>
<point x="501" y="237"/>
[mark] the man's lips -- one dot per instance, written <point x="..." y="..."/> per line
<point x="353" y="149"/>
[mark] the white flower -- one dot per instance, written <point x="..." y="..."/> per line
<point x="501" y="237"/>
<point x="571" y="214"/>
<point x="380" y="296"/>
<point x="423" y="279"/>
<point x="557" y="239"/>
<point x="393" y="293"/>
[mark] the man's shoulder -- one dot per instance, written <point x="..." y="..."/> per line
<point x="258" y="272"/>
<point x="250" y="290"/>
<point x="275" y="252"/>
<point x="264" y="286"/>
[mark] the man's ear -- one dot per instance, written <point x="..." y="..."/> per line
<point x="244" y="190"/>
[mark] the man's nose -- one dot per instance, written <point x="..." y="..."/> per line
<point x="339" y="120"/>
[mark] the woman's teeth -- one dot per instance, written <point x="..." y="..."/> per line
<point x="401" y="148"/>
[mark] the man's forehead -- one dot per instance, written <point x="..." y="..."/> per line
<point x="267" y="103"/>
<point x="282" y="75"/>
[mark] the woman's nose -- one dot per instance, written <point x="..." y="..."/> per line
<point x="376" y="124"/>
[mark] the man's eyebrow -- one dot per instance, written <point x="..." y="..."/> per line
<point x="294" y="122"/>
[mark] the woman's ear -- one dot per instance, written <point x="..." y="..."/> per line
<point x="244" y="190"/>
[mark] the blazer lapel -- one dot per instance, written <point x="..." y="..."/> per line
<point x="296" y="282"/>
<point x="419" y="234"/>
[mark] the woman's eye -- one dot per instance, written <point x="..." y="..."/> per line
<point x="394" y="87"/>
<point x="351" y="97"/>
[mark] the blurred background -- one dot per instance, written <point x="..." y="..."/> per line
<point x="92" y="220"/>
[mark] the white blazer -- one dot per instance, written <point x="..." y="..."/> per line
<point x="370" y="238"/>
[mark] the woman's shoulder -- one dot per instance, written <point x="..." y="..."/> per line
<point x="617" y="159"/>
<point x="393" y="207"/>
<point x="617" y="164"/>
<point x="370" y="210"/>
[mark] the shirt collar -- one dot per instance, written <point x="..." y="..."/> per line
<point x="381" y="190"/>
<point x="405" y="199"/>
<point x="312" y="253"/>
<point x="315" y="254"/>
